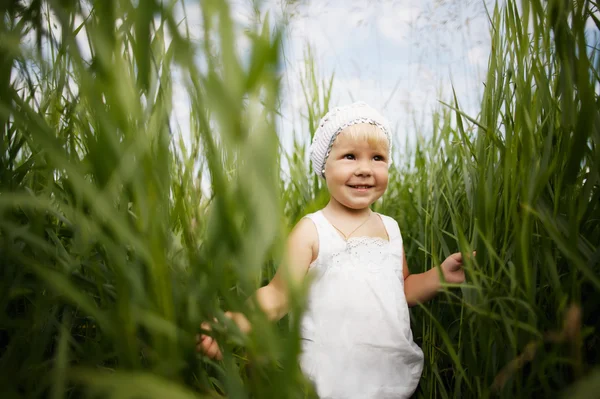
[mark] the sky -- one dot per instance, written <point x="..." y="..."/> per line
<point x="399" y="56"/>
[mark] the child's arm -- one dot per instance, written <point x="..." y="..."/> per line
<point x="272" y="299"/>
<point x="419" y="288"/>
<point x="301" y="246"/>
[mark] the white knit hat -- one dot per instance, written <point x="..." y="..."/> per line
<point x="337" y="120"/>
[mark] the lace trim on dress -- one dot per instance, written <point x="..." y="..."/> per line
<point x="362" y="252"/>
<point x="354" y="242"/>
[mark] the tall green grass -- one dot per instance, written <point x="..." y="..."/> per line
<point x="112" y="254"/>
<point x="518" y="183"/>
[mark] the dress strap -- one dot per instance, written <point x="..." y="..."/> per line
<point x="392" y="227"/>
<point x="328" y="237"/>
<point x="324" y="229"/>
<point x="319" y="221"/>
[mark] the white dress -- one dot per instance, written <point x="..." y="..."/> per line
<point x="356" y="336"/>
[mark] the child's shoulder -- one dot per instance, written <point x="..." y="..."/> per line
<point x="387" y="217"/>
<point x="312" y="215"/>
<point x="304" y="236"/>
<point x="384" y="216"/>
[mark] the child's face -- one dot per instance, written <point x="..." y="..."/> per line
<point x="356" y="173"/>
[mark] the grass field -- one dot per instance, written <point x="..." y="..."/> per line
<point x="112" y="255"/>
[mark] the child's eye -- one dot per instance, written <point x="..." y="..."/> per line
<point x="349" y="156"/>
<point x="379" y="158"/>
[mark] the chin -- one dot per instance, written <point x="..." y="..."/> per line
<point x="359" y="205"/>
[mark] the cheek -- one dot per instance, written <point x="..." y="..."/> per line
<point x="384" y="183"/>
<point x="330" y="168"/>
<point x="383" y="177"/>
<point x="336" y="170"/>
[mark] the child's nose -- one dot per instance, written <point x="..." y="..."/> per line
<point x="363" y="168"/>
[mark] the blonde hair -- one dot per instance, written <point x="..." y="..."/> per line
<point x="368" y="132"/>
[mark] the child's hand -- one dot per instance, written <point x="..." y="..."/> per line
<point x="453" y="270"/>
<point x="208" y="345"/>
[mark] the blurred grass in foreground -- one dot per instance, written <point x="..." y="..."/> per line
<point x="111" y="254"/>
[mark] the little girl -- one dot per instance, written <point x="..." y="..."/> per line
<point x="356" y="336"/>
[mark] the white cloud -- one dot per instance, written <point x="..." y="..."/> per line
<point x="396" y="21"/>
<point x="478" y="56"/>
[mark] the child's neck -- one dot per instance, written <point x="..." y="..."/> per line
<point x="336" y="209"/>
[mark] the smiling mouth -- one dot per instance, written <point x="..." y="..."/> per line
<point x="361" y="187"/>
